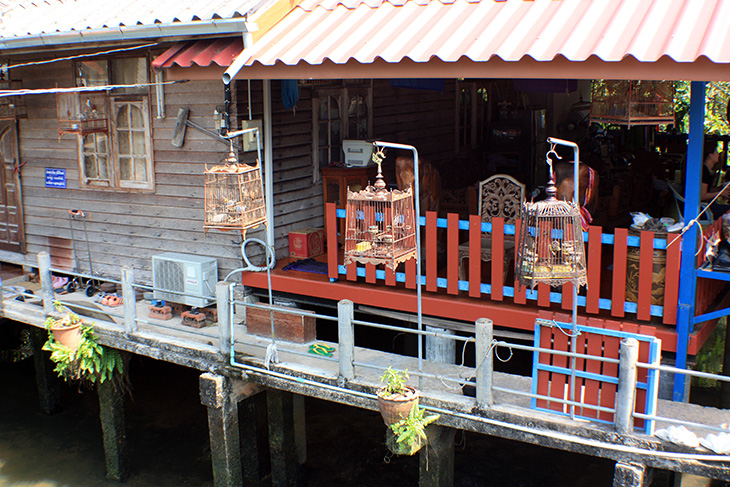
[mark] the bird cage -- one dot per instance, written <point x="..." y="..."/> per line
<point x="380" y="225"/>
<point x="627" y="102"/>
<point x="13" y="106"/>
<point x="83" y="112"/>
<point x="551" y="247"/>
<point x="234" y="196"/>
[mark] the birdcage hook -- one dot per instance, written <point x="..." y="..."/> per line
<point x="549" y="161"/>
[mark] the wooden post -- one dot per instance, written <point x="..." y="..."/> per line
<point x="130" y="300"/>
<point x="346" y="337"/>
<point x="441" y="349"/>
<point x="628" y="475"/>
<point x="252" y="424"/>
<point x="225" y="446"/>
<point x="223" y="305"/>
<point x="436" y="460"/>
<point x="628" y="356"/>
<point x="484" y="362"/>
<point x="44" y="271"/>
<point x="47" y="381"/>
<point x="114" y="429"/>
<point x="282" y="444"/>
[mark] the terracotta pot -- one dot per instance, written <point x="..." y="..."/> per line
<point x="396" y="408"/>
<point x="69" y="336"/>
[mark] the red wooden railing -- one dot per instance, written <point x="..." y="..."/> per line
<point x="650" y="292"/>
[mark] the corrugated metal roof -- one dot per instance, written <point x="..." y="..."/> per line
<point x="33" y="17"/>
<point x="448" y="30"/>
<point x="202" y="53"/>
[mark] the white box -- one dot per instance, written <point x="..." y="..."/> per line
<point x="358" y="153"/>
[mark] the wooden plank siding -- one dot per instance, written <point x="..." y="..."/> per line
<point x="124" y="227"/>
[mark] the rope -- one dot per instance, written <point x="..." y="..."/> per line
<point x="697" y="218"/>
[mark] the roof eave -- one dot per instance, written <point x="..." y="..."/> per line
<point x="132" y="33"/>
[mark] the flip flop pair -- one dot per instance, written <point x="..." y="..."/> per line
<point x="111" y="300"/>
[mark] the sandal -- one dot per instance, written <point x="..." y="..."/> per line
<point x="114" y="300"/>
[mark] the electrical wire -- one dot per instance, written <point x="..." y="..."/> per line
<point x="79" y="89"/>
<point x="78" y="56"/>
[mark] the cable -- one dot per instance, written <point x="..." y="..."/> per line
<point x="101" y="53"/>
<point x="50" y="91"/>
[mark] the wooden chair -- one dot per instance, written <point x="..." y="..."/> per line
<point x="500" y="195"/>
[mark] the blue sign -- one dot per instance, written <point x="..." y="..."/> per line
<point x="55" y="178"/>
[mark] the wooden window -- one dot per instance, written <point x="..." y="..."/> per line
<point x="339" y="114"/>
<point x="121" y="159"/>
<point x="470" y="113"/>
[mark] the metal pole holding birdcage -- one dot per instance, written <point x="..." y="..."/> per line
<point x="551" y="249"/>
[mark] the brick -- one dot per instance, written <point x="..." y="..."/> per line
<point x="296" y="328"/>
<point x="160" y="312"/>
<point x="194" y="319"/>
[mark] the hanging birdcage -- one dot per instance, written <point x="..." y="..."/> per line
<point x="380" y="224"/>
<point x="83" y="113"/>
<point x="234" y="196"/>
<point x="629" y="102"/>
<point x="551" y="247"/>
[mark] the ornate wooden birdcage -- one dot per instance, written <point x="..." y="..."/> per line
<point x="83" y="113"/>
<point x="380" y="224"/>
<point x="629" y="102"/>
<point x="234" y="196"/>
<point x="551" y="247"/>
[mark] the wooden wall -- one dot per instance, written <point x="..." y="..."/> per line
<point x="124" y="228"/>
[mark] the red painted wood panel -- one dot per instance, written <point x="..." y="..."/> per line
<point x="431" y="252"/>
<point x="352" y="271"/>
<point x="580" y="365"/>
<point x="411" y="274"/>
<point x="618" y="288"/>
<point x="497" y="279"/>
<point x="593" y="387"/>
<point x="452" y="253"/>
<point x="567" y="299"/>
<point x="370" y="273"/>
<point x="671" y="283"/>
<point x="558" y="380"/>
<point x="608" y="390"/>
<point x="543" y="376"/>
<point x="520" y="291"/>
<point x="543" y="295"/>
<point x="389" y="276"/>
<point x="646" y="271"/>
<point x="593" y="271"/>
<point x="331" y="216"/>
<point x="474" y="272"/>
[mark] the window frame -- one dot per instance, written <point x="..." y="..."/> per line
<point x="343" y="95"/>
<point x="114" y="182"/>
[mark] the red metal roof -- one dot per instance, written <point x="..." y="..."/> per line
<point x="202" y="53"/>
<point x="392" y="31"/>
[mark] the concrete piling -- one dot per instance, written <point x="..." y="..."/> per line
<point x="47" y="381"/>
<point x="225" y="448"/>
<point x="114" y="429"/>
<point x="282" y="443"/>
<point x="436" y="462"/>
<point x="629" y="475"/>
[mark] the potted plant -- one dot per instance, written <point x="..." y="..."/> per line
<point x="82" y="358"/>
<point x="398" y="404"/>
<point x="395" y="398"/>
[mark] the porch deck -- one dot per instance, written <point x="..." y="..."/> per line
<point x="604" y="304"/>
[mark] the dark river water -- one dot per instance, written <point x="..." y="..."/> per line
<point x="167" y="434"/>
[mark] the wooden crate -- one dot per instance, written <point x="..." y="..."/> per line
<point x="287" y="327"/>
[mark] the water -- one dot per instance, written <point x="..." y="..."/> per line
<point x="168" y="441"/>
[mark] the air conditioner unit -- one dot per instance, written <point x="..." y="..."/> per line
<point x="192" y="276"/>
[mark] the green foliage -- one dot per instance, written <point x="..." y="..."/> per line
<point x="91" y="362"/>
<point x="395" y="381"/>
<point x="716" y="102"/>
<point x="410" y="433"/>
<point x="710" y="358"/>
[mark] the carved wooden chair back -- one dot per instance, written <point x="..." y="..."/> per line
<point x="501" y="195"/>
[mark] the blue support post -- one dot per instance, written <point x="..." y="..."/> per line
<point x="687" y="272"/>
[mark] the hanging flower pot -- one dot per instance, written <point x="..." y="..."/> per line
<point x="395" y="407"/>
<point x="68" y="336"/>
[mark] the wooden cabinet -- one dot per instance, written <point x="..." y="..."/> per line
<point x="336" y="180"/>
